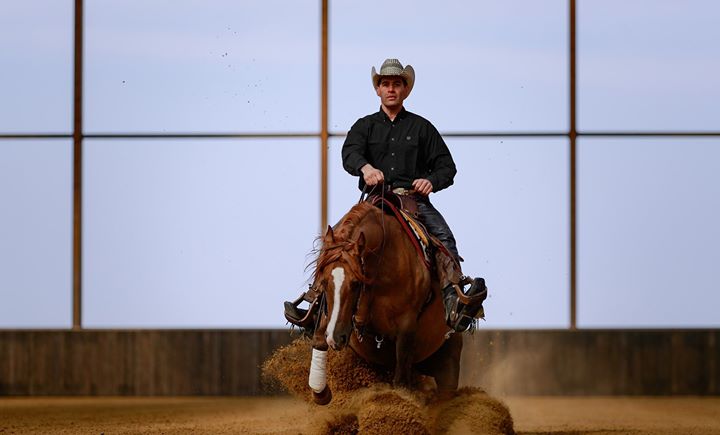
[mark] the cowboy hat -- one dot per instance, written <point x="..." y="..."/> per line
<point x="393" y="67"/>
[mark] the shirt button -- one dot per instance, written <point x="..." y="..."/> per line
<point x="392" y="169"/>
<point x="393" y="139"/>
<point x="392" y="154"/>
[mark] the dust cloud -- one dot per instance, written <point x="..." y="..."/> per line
<point x="365" y="403"/>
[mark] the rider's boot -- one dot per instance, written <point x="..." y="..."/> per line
<point x="452" y="302"/>
<point x="459" y="316"/>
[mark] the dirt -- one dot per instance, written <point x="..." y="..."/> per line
<point x="290" y="416"/>
<point x="288" y="368"/>
<point x="613" y="415"/>
<point x="364" y="402"/>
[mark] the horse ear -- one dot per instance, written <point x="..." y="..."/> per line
<point x="329" y="235"/>
<point x="361" y="243"/>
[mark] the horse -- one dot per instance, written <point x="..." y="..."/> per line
<point x="382" y="301"/>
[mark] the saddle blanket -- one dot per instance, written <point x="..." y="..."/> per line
<point x="422" y="240"/>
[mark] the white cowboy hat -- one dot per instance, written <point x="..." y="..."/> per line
<point x="393" y="67"/>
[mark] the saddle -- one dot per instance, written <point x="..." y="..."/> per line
<point x="404" y="208"/>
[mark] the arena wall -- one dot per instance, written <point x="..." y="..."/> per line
<point x="227" y="362"/>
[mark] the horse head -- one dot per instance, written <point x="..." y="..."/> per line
<point x="342" y="278"/>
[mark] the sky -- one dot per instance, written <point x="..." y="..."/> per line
<point x="218" y="232"/>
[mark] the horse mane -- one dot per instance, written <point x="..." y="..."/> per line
<point x="331" y="252"/>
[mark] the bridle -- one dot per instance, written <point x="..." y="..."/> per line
<point x="358" y="325"/>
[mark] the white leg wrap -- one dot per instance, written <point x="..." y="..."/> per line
<point x="318" y="377"/>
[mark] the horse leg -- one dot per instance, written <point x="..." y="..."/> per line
<point x="444" y="366"/>
<point x="318" y="376"/>
<point x="403" y="359"/>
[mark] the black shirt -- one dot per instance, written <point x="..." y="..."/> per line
<point x="404" y="150"/>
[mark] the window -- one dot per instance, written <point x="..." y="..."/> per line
<point x="647" y="232"/>
<point x="648" y="65"/>
<point x="36" y="42"/>
<point x="36" y="234"/>
<point x="196" y="233"/>
<point x="220" y="66"/>
<point x="480" y="66"/>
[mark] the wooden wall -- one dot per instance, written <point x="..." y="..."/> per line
<point x="142" y="362"/>
<point x="594" y="362"/>
<point x="226" y="362"/>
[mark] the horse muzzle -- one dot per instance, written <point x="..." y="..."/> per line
<point x="338" y="340"/>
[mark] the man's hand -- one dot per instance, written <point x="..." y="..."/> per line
<point x="423" y="186"/>
<point x="371" y="175"/>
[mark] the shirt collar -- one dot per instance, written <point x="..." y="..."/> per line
<point x="401" y="115"/>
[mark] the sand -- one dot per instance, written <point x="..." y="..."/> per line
<point x="616" y="415"/>
<point x="364" y="402"/>
<point x="290" y="416"/>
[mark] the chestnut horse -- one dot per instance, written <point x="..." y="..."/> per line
<point x="382" y="301"/>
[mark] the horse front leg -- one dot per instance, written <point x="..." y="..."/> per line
<point x="318" y="374"/>
<point x="403" y="359"/>
<point x="444" y="366"/>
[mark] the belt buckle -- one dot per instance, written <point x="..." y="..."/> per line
<point x="402" y="191"/>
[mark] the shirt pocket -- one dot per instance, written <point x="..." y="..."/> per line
<point x="410" y="151"/>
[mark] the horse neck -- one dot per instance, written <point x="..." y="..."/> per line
<point x="382" y="234"/>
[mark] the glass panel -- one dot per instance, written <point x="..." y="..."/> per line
<point x="480" y="65"/>
<point x="648" y="237"/>
<point x="36" y="90"/>
<point x="197" y="233"/>
<point x="343" y="191"/>
<point x="648" y="65"/>
<point x="195" y="66"/>
<point x="509" y="212"/>
<point x="36" y="234"/>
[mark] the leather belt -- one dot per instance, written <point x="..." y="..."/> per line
<point x="403" y="191"/>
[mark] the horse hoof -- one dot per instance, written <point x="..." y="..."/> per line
<point x="324" y="397"/>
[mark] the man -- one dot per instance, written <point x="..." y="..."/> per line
<point x="401" y="150"/>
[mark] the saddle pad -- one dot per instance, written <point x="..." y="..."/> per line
<point x="414" y="229"/>
<point x="420" y="233"/>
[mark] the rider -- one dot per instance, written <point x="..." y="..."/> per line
<point x="402" y="150"/>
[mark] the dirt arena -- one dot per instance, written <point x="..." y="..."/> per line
<point x="287" y="415"/>
<point x="363" y="403"/>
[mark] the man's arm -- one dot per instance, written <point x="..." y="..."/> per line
<point x="355" y="147"/>
<point x="439" y="161"/>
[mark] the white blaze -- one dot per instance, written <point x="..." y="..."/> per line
<point x="338" y="278"/>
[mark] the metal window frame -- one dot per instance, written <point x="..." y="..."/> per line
<point x="323" y="134"/>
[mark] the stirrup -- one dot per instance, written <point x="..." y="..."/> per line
<point x="477" y="287"/>
<point x="293" y="313"/>
<point x="301" y="317"/>
<point x="460" y="316"/>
